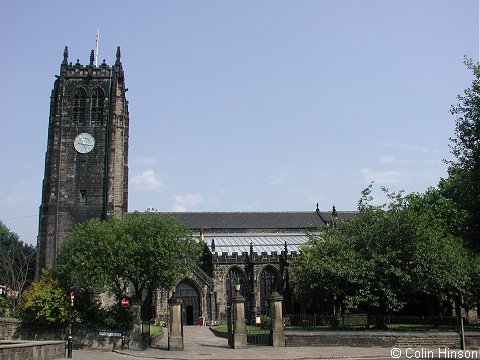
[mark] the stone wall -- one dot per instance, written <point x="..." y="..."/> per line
<point x="381" y="338"/>
<point x="8" y="327"/>
<point x="83" y="336"/>
<point x="32" y="350"/>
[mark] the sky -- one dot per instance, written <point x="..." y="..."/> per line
<point x="245" y="105"/>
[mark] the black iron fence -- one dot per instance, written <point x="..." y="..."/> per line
<point x="359" y="322"/>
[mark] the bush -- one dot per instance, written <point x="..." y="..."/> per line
<point x="45" y="302"/>
<point x="265" y="322"/>
<point x="4" y="306"/>
<point x="115" y="317"/>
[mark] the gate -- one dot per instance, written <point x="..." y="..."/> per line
<point x="259" y="329"/>
<point x="230" y="324"/>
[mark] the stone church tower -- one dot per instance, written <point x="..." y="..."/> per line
<point x="86" y="163"/>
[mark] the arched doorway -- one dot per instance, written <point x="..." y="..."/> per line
<point x="191" y="302"/>
<point x="268" y="284"/>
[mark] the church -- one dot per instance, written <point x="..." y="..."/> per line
<point x="86" y="176"/>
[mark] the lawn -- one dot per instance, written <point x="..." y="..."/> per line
<point x="250" y="329"/>
<point x="155" y="329"/>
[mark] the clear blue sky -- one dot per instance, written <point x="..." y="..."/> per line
<point x="245" y="105"/>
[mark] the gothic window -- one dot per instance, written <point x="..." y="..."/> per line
<point x="96" y="111"/>
<point x="83" y="197"/>
<point x="234" y="276"/>
<point x="78" y="114"/>
<point x="268" y="284"/>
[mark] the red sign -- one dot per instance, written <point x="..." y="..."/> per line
<point x="125" y="302"/>
<point x="72" y="298"/>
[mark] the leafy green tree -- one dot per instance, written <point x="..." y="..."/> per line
<point x="388" y="257"/>
<point x="463" y="182"/>
<point x="17" y="264"/>
<point x="143" y="250"/>
<point x="46" y="301"/>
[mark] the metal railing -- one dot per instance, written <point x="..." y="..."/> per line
<point x="362" y="322"/>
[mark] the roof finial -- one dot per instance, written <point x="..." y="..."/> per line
<point x="65" y="55"/>
<point x="117" y="62"/>
<point x="92" y="57"/>
<point x="212" y="246"/>
<point x="334" y="212"/>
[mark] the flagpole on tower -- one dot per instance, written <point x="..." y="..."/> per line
<point x="96" y="46"/>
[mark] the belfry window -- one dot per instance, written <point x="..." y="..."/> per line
<point x="83" y="197"/>
<point x="78" y="114"/>
<point x="96" y="111"/>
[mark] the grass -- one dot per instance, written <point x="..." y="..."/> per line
<point x="155" y="329"/>
<point x="250" y="329"/>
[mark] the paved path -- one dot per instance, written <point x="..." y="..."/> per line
<point x="201" y="344"/>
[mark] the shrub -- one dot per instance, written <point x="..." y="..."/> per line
<point x="265" y="322"/>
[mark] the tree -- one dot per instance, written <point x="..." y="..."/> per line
<point x="143" y="250"/>
<point x="463" y="182"/>
<point x="46" y="301"/>
<point x="389" y="257"/>
<point x="17" y="264"/>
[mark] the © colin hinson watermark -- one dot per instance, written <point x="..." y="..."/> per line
<point x="425" y="353"/>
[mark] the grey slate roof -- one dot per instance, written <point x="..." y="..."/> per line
<point x="287" y="221"/>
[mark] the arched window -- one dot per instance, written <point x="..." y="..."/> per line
<point x="96" y="111"/>
<point x="78" y="113"/>
<point x="83" y="197"/>
<point x="268" y="284"/>
<point x="234" y="276"/>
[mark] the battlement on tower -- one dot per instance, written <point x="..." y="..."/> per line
<point x="77" y="70"/>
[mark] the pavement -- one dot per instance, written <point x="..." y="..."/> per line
<point x="201" y="344"/>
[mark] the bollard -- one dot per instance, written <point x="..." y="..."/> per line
<point x="69" y="346"/>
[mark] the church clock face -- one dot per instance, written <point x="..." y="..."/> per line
<point x="84" y="143"/>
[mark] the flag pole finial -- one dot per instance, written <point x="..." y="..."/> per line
<point x="96" y="46"/>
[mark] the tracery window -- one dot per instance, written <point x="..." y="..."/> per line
<point x="78" y="113"/>
<point x="268" y="284"/>
<point x="234" y="276"/>
<point x="96" y="110"/>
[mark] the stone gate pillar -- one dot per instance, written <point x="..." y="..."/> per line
<point x="278" y="334"/>
<point x="137" y="339"/>
<point x="239" y="328"/>
<point x="175" y="336"/>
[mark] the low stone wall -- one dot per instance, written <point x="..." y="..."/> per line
<point x="8" y="328"/>
<point x="44" y="350"/>
<point x="472" y="340"/>
<point x="83" y="336"/>
<point x="381" y="338"/>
